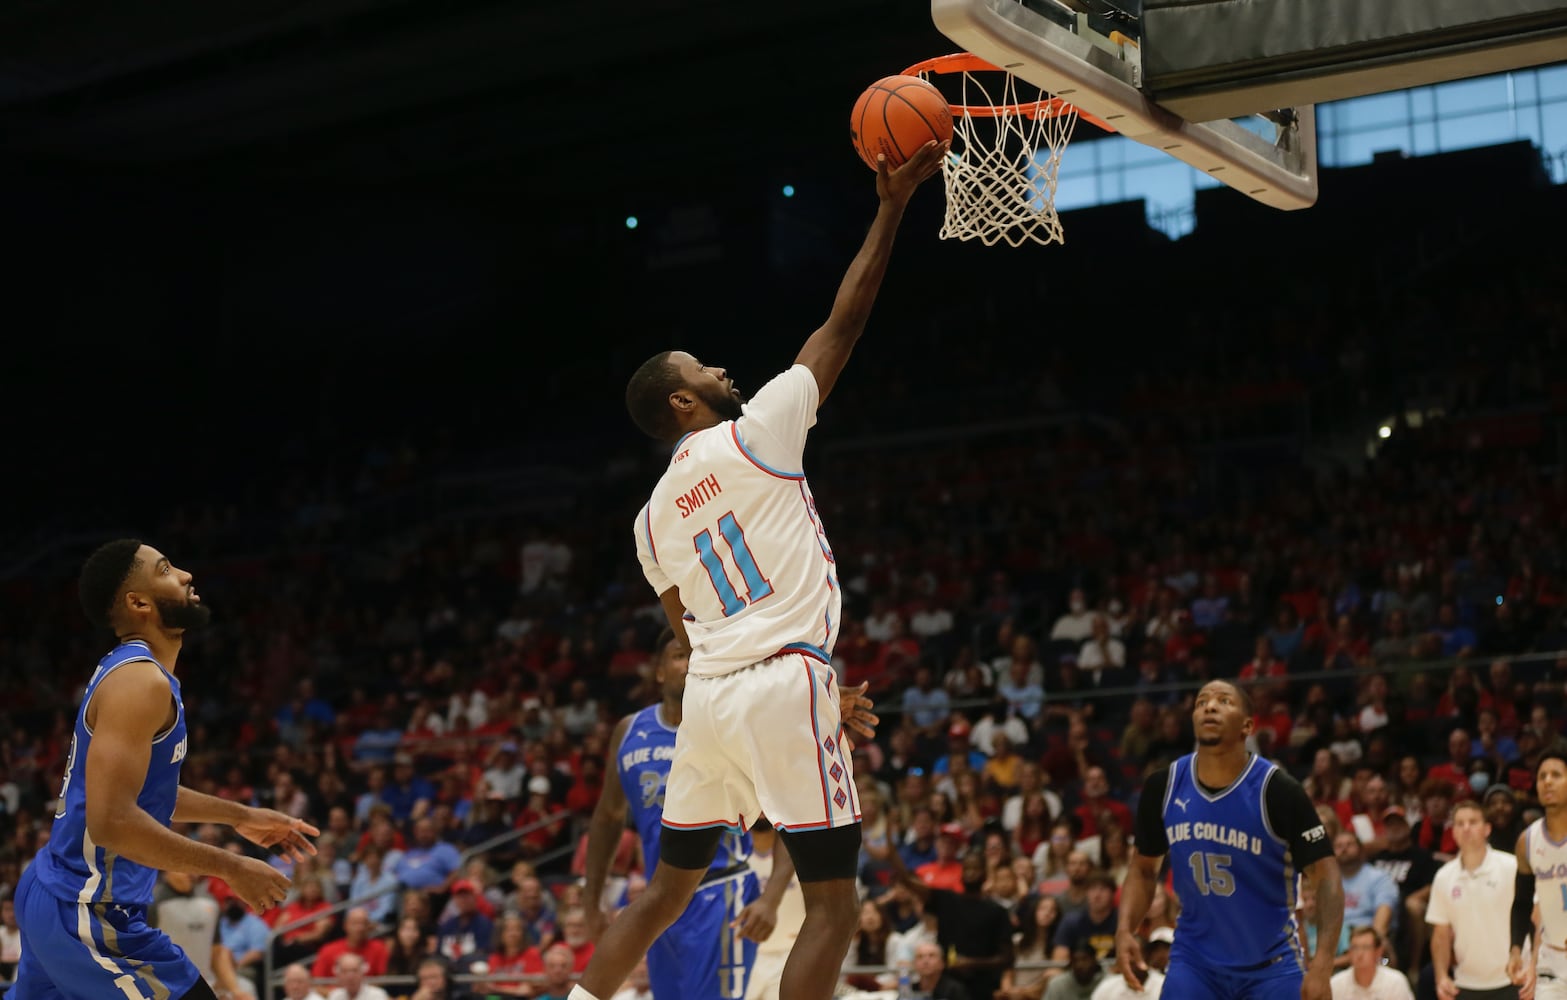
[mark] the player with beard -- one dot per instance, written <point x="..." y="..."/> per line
<point x="1237" y="829"/>
<point x="82" y="903"/>
<point x="731" y="542"/>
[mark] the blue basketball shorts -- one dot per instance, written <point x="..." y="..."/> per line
<point x="93" y="951"/>
<point x="701" y="956"/>
<point x="1187" y="979"/>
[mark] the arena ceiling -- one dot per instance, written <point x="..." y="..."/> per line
<point x="370" y="90"/>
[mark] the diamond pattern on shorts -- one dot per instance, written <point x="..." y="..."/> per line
<point x="840" y="798"/>
<point x="830" y="745"/>
<point x="836" y="772"/>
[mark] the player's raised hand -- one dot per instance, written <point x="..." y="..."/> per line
<point x="1129" y="960"/>
<point x="854" y="707"/>
<point x="259" y="884"/>
<point x="898" y="185"/>
<point x="279" y="831"/>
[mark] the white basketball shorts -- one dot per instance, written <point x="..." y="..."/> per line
<point x="765" y="740"/>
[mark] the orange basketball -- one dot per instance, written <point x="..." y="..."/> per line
<point x="896" y="116"/>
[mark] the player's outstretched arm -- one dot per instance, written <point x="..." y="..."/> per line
<point x="1323" y="879"/>
<point x="604" y="830"/>
<point x="827" y="350"/>
<point x="131" y="705"/>
<point x="283" y="833"/>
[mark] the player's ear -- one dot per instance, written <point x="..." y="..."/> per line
<point x="683" y="401"/>
<point x="136" y="602"/>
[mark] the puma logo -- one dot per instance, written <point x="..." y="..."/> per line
<point x="1181" y="803"/>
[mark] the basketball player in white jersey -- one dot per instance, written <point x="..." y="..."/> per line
<point x="731" y="543"/>
<point x="1542" y="869"/>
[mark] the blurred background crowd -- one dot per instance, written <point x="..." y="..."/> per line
<point x="422" y="644"/>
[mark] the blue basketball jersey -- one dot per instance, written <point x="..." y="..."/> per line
<point x="643" y="763"/>
<point x="1233" y="874"/>
<point x="71" y="867"/>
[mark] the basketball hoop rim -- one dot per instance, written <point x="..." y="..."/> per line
<point x="968" y="62"/>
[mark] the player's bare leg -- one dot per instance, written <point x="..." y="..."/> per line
<point x="632" y="932"/>
<point x="832" y="912"/>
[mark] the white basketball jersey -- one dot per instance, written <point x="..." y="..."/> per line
<point x="1549" y="862"/>
<point x="733" y="526"/>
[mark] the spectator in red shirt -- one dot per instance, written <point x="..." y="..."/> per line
<point x="1449" y="704"/>
<point x="574" y="935"/>
<point x="305" y="939"/>
<point x="538" y="808"/>
<point x="1273" y="727"/>
<point x="1069" y="761"/>
<point x="1265" y="674"/>
<point x="946" y="872"/>
<point x="584" y="792"/>
<point x="513" y="954"/>
<point x="357" y="940"/>
<point x="1455" y="770"/>
<point x="1097" y="806"/>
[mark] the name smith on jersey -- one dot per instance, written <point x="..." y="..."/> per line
<point x="705" y="490"/>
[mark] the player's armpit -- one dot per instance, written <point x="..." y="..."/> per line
<point x="675" y="611"/>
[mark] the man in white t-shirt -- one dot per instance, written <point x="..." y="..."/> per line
<point x="1077" y="623"/>
<point x="1470" y="912"/>
<point x="350" y="972"/>
<point x="1367" y="978"/>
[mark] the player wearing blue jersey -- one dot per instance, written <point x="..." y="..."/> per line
<point x="708" y="953"/>
<point x="82" y="903"/>
<point x="1237" y="830"/>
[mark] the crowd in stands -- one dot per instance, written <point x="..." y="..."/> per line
<point x="1032" y="608"/>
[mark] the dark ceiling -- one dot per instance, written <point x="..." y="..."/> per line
<point x="373" y="90"/>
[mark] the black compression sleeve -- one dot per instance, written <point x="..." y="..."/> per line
<point x="1523" y="908"/>
<point x="1149" y="838"/>
<point x="1294" y="818"/>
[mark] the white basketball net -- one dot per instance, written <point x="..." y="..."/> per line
<point x="1001" y="172"/>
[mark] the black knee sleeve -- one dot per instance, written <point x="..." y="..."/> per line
<point x="692" y="849"/>
<point x="823" y="855"/>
